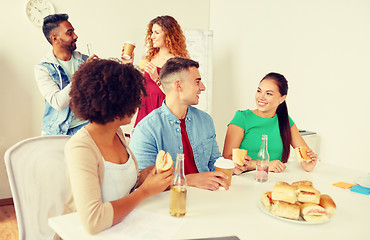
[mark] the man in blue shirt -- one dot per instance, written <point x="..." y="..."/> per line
<point x="177" y="127"/>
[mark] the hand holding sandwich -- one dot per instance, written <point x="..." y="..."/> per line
<point x="308" y="166"/>
<point x="247" y="163"/>
<point x="307" y="158"/>
<point x="155" y="183"/>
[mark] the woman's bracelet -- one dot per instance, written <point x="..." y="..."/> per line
<point x="158" y="82"/>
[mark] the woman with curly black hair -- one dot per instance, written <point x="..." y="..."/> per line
<point x="102" y="170"/>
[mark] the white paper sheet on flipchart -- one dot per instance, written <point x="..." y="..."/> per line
<point x="199" y="46"/>
<point x="145" y="225"/>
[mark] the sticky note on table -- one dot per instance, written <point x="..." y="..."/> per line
<point x="343" y="185"/>
<point x="360" y="189"/>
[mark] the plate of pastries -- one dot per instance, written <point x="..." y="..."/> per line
<point x="298" y="202"/>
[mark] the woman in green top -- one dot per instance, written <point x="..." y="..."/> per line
<point x="271" y="117"/>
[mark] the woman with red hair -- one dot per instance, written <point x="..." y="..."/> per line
<point x="164" y="40"/>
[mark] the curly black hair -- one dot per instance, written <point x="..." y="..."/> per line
<point x="103" y="90"/>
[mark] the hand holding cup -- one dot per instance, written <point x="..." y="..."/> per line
<point x="127" y="55"/>
<point x="128" y="49"/>
<point x="226" y="166"/>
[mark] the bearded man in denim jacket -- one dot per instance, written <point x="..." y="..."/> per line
<point x="177" y="127"/>
<point x="54" y="73"/>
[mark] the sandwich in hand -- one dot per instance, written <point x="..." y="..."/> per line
<point x="308" y="194"/>
<point x="328" y="204"/>
<point x="142" y="64"/>
<point x="267" y="200"/>
<point x="163" y="162"/>
<point x="285" y="210"/>
<point x="313" y="213"/>
<point x="239" y="155"/>
<point x="301" y="153"/>
<point x="285" y="192"/>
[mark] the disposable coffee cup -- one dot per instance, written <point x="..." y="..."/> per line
<point x="226" y="166"/>
<point x="128" y="48"/>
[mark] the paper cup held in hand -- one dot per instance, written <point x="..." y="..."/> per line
<point x="128" y="49"/>
<point x="226" y="166"/>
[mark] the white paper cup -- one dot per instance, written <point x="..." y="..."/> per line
<point x="226" y="166"/>
<point x="128" y="49"/>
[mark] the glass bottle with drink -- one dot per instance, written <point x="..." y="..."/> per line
<point x="178" y="189"/>
<point x="263" y="159"/>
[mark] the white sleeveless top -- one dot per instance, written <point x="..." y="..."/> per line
<point x="118" y="179"/>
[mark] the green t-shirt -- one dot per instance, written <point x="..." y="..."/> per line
<point x="254" y="127"/>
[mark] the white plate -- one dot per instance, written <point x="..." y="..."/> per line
<point x="300" y="220"/>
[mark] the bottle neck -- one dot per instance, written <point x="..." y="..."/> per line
<point x="180" y="165"/>
<point x="179" y="178"/>
<point x="264" y="142"/>
<point x="263" y="154"/>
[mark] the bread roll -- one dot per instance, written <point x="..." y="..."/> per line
<point x="267" y="200"/>
<point x="239" y="155"/>
<point x="280" y="183"/>
<point x="302" y="183"/>
<point x="313" y="213"/>
<point x="142" y="64"/>
<point x="163" y="162"/>
<point x="301" y="153"/>
<point x="285" y="192"/>
<point x="308" y="194"/>
<point x="327" y="202"/>
<point x="285" y="210"/>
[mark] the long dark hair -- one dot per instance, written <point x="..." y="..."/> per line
<point x="282" y="113"/>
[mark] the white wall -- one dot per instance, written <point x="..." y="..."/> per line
<point x="104" y="24"/>
<point x="321" y="46"/>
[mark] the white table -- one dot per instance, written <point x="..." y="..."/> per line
<point x="235" y="212"/>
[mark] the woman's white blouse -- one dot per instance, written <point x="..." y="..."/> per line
<point x="118" y="179"/>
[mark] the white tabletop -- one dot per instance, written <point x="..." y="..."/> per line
<point x="236" y="213"/>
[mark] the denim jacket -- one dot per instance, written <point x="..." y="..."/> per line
<point x="54" y="85"/>
<point x="160" y="130"/>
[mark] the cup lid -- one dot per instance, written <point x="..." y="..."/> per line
<point x="224" y="163"/>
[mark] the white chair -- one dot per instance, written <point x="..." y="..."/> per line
<point x="38" y="181"/>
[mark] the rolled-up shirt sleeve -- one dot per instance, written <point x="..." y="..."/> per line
<point x="57" y="98"/>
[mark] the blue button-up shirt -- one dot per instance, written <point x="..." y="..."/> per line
<point x="160" y="130"/>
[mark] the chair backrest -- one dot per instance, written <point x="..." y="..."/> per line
<point x="38" y="182"/>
